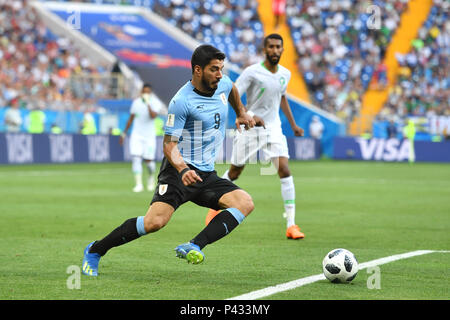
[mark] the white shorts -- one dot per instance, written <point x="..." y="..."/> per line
<point x="143" y="147"/>
<point x="270" y="143"/>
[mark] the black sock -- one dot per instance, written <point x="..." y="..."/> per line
<point x="124" y="233"/>
<point x="222" y="224"/>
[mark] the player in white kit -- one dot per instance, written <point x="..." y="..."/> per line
<point x="265" y="84"/>
<point x="143" y="111"/>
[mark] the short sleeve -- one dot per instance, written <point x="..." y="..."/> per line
<point x="134" y="106"/>
<point x="243" y="82"/>
<point x="176" y="117"/>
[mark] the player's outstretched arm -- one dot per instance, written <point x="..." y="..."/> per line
<point x="173" y="155"/>
<point x="299" y="132"/>
<point x="124" y="133"/>
<point x="241" y="113"/>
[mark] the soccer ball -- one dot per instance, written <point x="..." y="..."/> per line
<point x="340" y="266"/>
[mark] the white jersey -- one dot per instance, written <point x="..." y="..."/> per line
<point x="143" y="125"/>
<point x="264" y="91"/>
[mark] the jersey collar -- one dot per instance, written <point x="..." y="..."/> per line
<point x="264" y="66"/>
<point x="203" y="94"/>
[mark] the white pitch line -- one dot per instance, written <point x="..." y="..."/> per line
<point x="307" y="280"/>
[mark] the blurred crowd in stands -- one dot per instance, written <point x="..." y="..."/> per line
<point x="339" y="44"/>
<point x="423" y="83"/>
<point x="37" y="69"/>
<point x="340" y="48"/>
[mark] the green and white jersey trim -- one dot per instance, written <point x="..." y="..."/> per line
<point x="264" y="90"/>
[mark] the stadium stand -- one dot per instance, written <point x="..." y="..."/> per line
<point x="421" y="90"/>
<point x="340" y="55"/>
<point x="338" y="51"/>
<point x="422" y="87"/>
<point x="212" y="23"/>
<point x="233" y="26"/>
<point x="42" y="70"/>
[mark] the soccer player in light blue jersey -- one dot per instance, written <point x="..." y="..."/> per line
<point x="194" y="130"/>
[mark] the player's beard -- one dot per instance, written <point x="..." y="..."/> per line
<point x="208" y="87"/>
<point x="273" y="59"/>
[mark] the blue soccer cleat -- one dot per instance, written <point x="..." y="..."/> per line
<point x="90" y="262"/>
<point x="191" y="252"/>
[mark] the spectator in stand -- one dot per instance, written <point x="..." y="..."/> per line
<point x="391" y="129"/>
<point x="36" y="120"/>
<point x="87" y="125"/>
<point x="13" y="118"/>
<point x="279" y="10"/>
<point x="316" y="128"/>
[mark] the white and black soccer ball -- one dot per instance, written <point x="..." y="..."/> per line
<point x="340" y="266"/>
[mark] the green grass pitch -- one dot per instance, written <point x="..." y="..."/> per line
<point x="49" y="213"/>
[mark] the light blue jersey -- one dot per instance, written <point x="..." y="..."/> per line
<point x="199" y="122"/>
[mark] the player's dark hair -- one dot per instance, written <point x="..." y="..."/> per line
<point x="146" y="85"/>
<point x="272" y="36"/>
<point x="203" y="55"/>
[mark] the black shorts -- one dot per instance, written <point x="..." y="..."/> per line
<point x="171" y="190"/>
